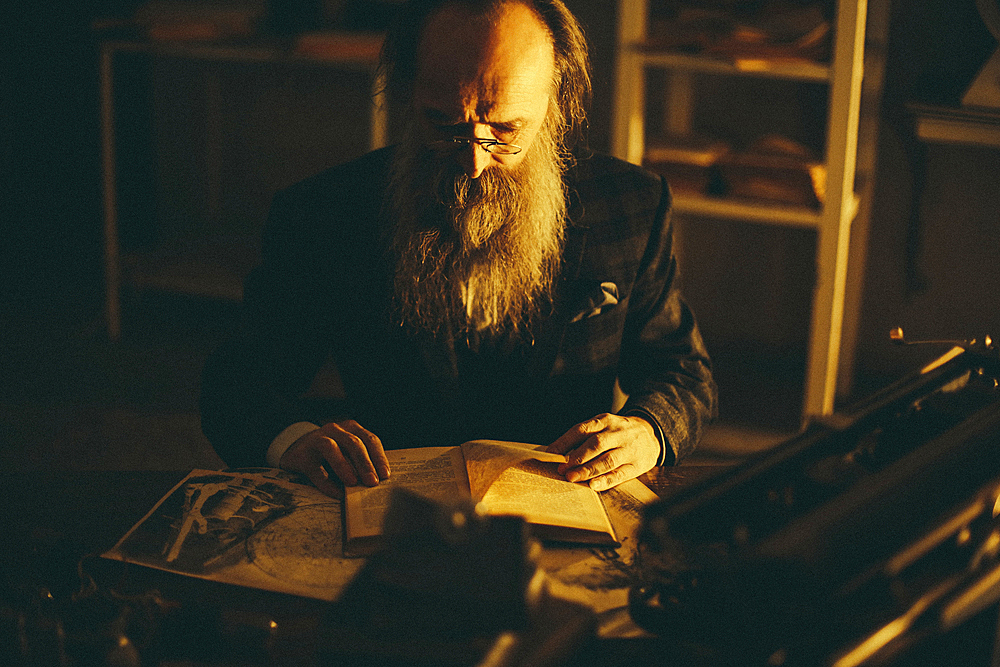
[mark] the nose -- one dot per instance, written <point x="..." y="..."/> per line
<point x="474" y="159"/>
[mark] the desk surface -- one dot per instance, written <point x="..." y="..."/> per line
<point x="56" y="519"/>
<point x="92" y="509"/>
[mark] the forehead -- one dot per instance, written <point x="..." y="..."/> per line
<point x="496" y="64"/>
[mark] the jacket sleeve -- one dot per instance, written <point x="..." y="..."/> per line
<point x="664" y="368"/>
<point x="256" y="384"/>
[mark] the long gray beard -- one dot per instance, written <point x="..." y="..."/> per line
<point x="476" y="254"/>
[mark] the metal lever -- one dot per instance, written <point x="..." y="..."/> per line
<point x="896" y="336"/>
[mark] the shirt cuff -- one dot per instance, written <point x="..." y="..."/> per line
<point x="645" y="414"/>
<point x="286" y="439"/>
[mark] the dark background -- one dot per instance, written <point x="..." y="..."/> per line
<point x="69" y="397"/>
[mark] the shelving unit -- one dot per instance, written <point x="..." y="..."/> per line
<point x="198" y="270"/>
<point x="832" y="220"/>
<point x="951" y="125"/>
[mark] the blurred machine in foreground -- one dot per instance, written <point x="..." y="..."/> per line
<point x="868" y="539"/>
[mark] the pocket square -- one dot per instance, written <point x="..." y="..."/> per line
<point x="597" y="299"/>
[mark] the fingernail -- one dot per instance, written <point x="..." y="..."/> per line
<point x="574" y="475"/>
<point x="371" y="479"/>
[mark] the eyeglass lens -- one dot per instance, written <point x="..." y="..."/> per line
<point x="488" y="145"/>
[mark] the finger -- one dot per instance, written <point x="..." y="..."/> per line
<point x="591" y="448"/>
<point x="600" y="464"/>
<point x="309" y="455"/>
<point x="347" y="456"/>
<point x="615" y="477"/>
<point x="321" y="480"/>
<point x="374" y="452"/>
<point x="330" y="453"/>
<point x="567" y="441"/>
<point x="578" y="434"/>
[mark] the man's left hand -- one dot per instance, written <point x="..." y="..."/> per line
<point x="607" y="450"/>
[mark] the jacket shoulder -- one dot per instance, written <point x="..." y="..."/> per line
<point x="353" y="180"/>
<point x="337" y="208"/>
<point x="612" y="190"/>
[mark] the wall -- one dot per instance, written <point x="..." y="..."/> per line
<point x="51" y="218"/>
<point x="50" y="203"/>
<point x="934" y="248"/>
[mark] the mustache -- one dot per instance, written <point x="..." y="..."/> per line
<point x="475" y="254"/>
<point x="454" y="188"/>
<point x="466" y="210"/>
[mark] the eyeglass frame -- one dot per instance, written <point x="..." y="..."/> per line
<point x="486" y="144"/>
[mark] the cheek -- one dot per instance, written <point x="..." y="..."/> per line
<point x="509" y="162"/>
<point x="528" y="142"/>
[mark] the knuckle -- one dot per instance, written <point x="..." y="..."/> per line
<point x="328" y="447"/>
<point x="628" y="471"/>
<point x="330" y="429"/>
<point x="614" y="478"/>
<point x="597" y="443"/>
<point x="594" y="467"/>
<point x="347" y="443"/>
<point x="598" y="422"/>
<point x="612" y="459"/>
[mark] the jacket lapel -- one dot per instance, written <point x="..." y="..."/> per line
<point x="550" y="332"/>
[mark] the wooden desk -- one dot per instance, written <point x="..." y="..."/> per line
<point x="87" y="512"/>
<point x="61" y="520"/>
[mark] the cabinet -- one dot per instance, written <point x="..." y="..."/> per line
<point x="831" y="219"/>
<point x="210" y="260"/>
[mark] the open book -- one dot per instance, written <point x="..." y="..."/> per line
<point x="506" y="478"/>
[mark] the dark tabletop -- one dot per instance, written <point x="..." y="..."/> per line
<point x="59" y="522"/>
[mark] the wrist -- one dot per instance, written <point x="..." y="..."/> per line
<point x="286" y="439"/>
<point x="665" y="452"/>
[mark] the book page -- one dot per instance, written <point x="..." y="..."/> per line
<point x="487" y="459"/>
<point x="521" y="479"/>
<point x="601" y="577"/>
<point x="535" y="490"/>
<point x="437" y="473"/>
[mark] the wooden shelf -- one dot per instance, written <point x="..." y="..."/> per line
<point x="750" y="211"/>
<point x="957" y="125"/>
<point x="832" y="220"/>
<point x="761" y="212"/>
<point x="191" y="272"/>
<point x="796" y="70"/>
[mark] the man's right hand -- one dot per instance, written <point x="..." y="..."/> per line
<point x="343" y="452"/>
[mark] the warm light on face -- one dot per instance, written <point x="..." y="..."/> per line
<point x="487" y="79"/>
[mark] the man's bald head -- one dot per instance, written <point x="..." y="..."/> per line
<point x="401" y="55"/>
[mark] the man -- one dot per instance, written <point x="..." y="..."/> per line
<point x="479" y="280"/>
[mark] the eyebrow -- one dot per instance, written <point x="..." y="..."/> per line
<point x="439" y="117"/>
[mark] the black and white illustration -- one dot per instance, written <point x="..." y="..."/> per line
<point x="249" y="528"/>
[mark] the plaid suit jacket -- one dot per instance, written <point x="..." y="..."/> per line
<point x="322" y="294"/>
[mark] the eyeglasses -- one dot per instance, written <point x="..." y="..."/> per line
<point x="489" y="145"/>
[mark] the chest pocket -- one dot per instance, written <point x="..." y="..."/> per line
<point x="593" y="336"/>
